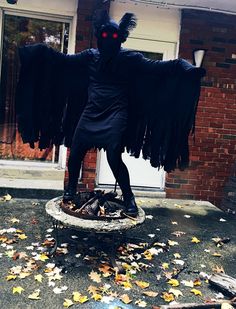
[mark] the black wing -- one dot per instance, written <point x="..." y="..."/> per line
<point x="51" y="94"/>
<point x="163" y="106"/>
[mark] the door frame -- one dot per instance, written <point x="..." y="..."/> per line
<point x="71" y="20"/>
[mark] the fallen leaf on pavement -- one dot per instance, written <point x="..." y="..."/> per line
<point x="38" y="278"/>
<point x="142" y="284"/>
<point x="187" y="283"/>
<point x="43" y="257"/>
<point x="195" y="240"/>
<point x="34" y="295"/>
<point x="6" y="197"/>
<point x="67" y="303"/>
<point x="168" y="297"/>
<point x="216" y="254"/>
<point x="11" y="277"/>
<point x="172" y="243"/>
<point x="218" y="269"/>
<point x="173" y="282"/>
<point x="197" y="282"/>
<point x="22" y="236"/>
<point x="14" y="220"/>
<point x="93" y="289"/>
<point x="150" y="293"/>
<point x="196" y="292"/>
<point x="165" y="266"/>
<point x="17" y="289"/>
<point x="141" y="303"/>
<point x="94" y="276"/>
<point x="125" y="299"/>
<point x="177" y="255"/>
<point x="175" y="292"/>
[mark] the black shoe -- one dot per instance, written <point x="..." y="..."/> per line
<point x="68" y="195"/>
<point x="131" y="208"/>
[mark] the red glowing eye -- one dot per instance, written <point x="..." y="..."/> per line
<point x="104" y="34"/>
<point x="115" y="35"/>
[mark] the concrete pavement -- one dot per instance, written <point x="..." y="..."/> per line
<point x="177" y="241"/>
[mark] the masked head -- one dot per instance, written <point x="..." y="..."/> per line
<point x="109" y="34"/>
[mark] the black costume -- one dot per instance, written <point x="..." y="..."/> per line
<point x="114" y="97"/>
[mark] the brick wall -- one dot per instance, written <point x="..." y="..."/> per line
<point x="214" y="152"/>
<point x="84" y="40"/>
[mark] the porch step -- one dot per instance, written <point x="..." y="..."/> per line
<point x="31" y="179"/>
<point x="30" y="170"/>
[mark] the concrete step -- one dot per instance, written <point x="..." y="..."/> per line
<point x="30" y="170"/>
<point x="31" y="179"/>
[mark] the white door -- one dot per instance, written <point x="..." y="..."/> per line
<point x="141" y="172"/>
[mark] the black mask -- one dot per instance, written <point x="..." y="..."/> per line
<point x="109" y="41"/>
<point x="109" y="34"/>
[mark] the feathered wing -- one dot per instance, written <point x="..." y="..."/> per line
<point x="127" y="23"/>
<point x="50" y="96"/>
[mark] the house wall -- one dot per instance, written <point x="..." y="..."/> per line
<point x="214" y="151"/>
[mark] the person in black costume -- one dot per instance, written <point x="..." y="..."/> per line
<point x="104" y="119"/>
<point x="119" y="99"/>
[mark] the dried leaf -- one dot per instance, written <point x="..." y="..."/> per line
<point x="67" y="303"/>
<point x="142" y="284"/>
<point x="150" y="293"/>
<point x="10" y="253"/>
<point x="172" y="243"/>
<point x="175" y="292"/>
<point x="165" y="266"/>
<point x="195" y="240"/>
<point x="83" y="299"/>
<point x="105" y="268"/>
<point x="197" y="282"/>
<point x="11" y="277"/>
<point x="97" y="297"/>
<point x="14" y="220"/>
<point x="17" y="289"/>
<point x="6" y="197"/>
<point x="43" y="257"/>
<point x="34" y="295"/>
<point x="196" y="292"/>
<point x="127" y="285"/>
<point x="218" y="269"/>
<point x="179" y="262"/>
<point x="216" y="254"/>
<point x="125" y="299"/>
<point x="76" y="296"/>
<point x="22" y="236"/>
<point x="187" y="283"/>
<point x="173" y="282"/>
<point x="168" y="297"/>
<point x="94" y="276"/>
<point x="93" y="289"/>
<point x="23" y="275"/>
<point x="177" y="255"/>
<point x="141" y="303"/>
<point x="38" y="278"/>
